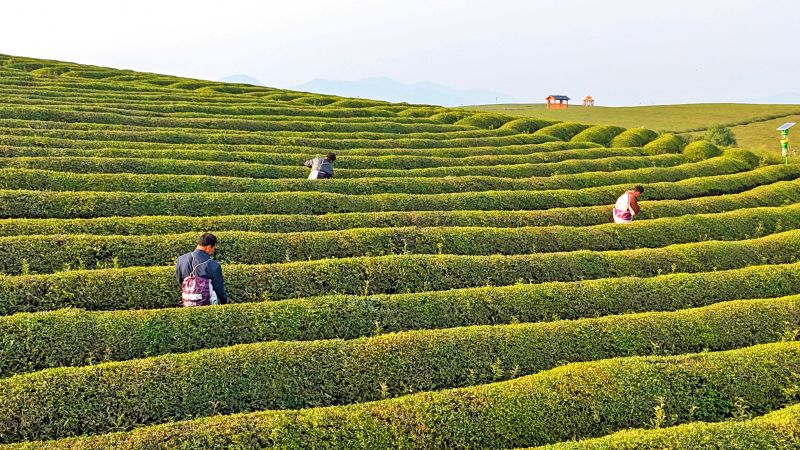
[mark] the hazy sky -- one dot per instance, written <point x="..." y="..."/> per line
<point x="623" y="52"/>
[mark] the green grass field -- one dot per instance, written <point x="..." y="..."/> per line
<point x="459" y="283"/>
<point x="754" y="125"/>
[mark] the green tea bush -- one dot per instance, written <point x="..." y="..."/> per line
<point x="70" y="337"/>
<point x="720" y="135"/>
<point x="775" y="194"/>
<point x="46" y="254"/>
<point x="565" y="130"/>
<point x="297" y="171"/>
<point x="776" y="430"/>
<point x="600" y="134"/>
<point x="700" y="150"/>
<point x="156" y="287"/>
<point x="526" y="125"/>
<point x="450" y="117"/>
<point x="548" y="407"/>
<point x="488" y="121"/>
<point x="666" y="143"/>
<point x="40" y="204"/>
<point x="211" y="381"/>
<point x="634" y="137"/>
<point x="69" y="181"/>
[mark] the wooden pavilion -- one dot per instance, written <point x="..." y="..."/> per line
<point x="557" y="102"/>
<point x="588" y="101"/>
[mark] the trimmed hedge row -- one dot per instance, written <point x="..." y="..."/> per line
<point x="249" y="170"/>
<point x="564" y="130"/>
<point x="107" y="138"/>
<point x="199" y="136"/>
<point x="634" y="137"/>
<point x="45" y="180"/>
<point x="156" y="287"/>
<point x="577" y="400"/>
<point x="299" y="147"/>
<point x="372" y="130"/>
<point x="599" y="134"/>
<point x="282" y="375"/>
<point x="348" y="160"/>
<point x="487" y="121"/>
<point x="699" y="150"/>
<point x="666" y="143"/>
<point x="40" y="204"/>
<point x="777" y="194"/>
<point x="47" y="254"/>
<point x="778" y="430"/>
<point x="70" y="337"/>
<point x="527" y="125"/>
<point x="62" y="117"/>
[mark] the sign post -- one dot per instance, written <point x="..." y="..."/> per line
<point x="784" y="129"/>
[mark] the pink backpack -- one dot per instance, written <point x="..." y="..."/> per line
<point x="196" y="291"/>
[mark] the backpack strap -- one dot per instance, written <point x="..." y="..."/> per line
<point x="194" y="269"/>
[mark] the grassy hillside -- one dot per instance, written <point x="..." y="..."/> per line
<point x="754" y="125"/>
<point x="458" y="284"/>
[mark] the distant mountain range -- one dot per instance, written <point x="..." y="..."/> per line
<point x="382" y="88"/>
<point x="241" y="78"/>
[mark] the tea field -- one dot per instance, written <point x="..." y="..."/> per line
<point x="458" y="284"/>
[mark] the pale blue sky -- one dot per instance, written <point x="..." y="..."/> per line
<point x="624" y="52"/>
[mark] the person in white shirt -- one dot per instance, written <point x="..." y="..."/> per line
<point x="627" y="206"/>
<point x="321" y="168"/>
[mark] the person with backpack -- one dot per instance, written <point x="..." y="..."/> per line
<point x="200" y="276"/>
<point x="627" y="206"/>
<point x="321" y="168"/>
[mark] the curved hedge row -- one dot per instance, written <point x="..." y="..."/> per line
<point x="375" y="130"/>
<point x="33" y="179"/>
<point x="699" y="150"/>
<point x="666" y="143"/>
<point x="282" y="375"/>
<point x="47" y="254"/>
<point x="450" y="116"/>
<point x="634" y="137"/>
<point x="250" y="170"/>
<point x="69" y="181"/>
<point x="599" y="134"/>
<point x="564" y="130"/>
<point x="778" y="430"/>
<point x="125" y="133"/>
<point x="69" y="337"/>
<point x="551" y="406"/>
<point x="304" y="146"/>
<point x="348" y="160"/>
<point x="776" y="194"/>
<point x="487" y="121"/>
<point x="86" y="139"/>
<point x="253" y="153"/>
<point x="40" y="204"/>
<point x="63" y="117"/>
<point x="527" y="125"/>
<point x="156" y="287"/>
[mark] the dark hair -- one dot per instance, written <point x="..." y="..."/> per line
<point x="206" y="239"/>
<point x="639" y="188"/>
<point x="331" y="157"/>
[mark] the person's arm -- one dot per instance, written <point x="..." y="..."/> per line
<point x="178" y="271"/>
<point x="219" y="285"/>
<point x="309" y="163"/>
<point x="634" y="205"/>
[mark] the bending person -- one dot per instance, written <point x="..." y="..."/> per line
<point x="627" y="205"/>
<point x="321" y="168"/>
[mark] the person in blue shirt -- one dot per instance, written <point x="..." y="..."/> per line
<point x="203" y="266"/>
